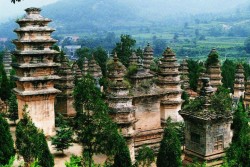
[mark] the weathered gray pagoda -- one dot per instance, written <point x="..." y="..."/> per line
<point x="207" y="132"/>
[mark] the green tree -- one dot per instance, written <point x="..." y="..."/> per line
<point x="122" y="155"/>
<point x="247" y="45"/>
<point x="6" y="142"/>
<point x="63" y="138"/>
<point x="170" y="149"/>
<point x="213" y="58"/>
<point x="5" y="86"/>
<point x="228" y="73"/>
<point x="238" y="154"/>
<point x="145" y="157"/>
<point x="124" y="49"/>
<point x="101" y="57"/>
<point x="185" y="97"/>
<point x="81" y="54"/>
<point x="94" y="129"/>
<point x="13" y="108"/>
<point x="31" y="143"/>
<point x="195" y="69"/>
<point x="75" y="161"/>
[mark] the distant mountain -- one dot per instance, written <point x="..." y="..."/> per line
<point x="84" y="15"/>
<point x="88" y="16"/>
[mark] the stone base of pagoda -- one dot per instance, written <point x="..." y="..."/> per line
<point x="64" y="105"/>
<point x="171" y="109"/>
<point x="211" y="160"/>
<point x="150" y="138"/>
<point x="40" y="109"/>
<point x="131" y="147"/>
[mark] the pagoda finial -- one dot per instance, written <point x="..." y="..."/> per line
<point x="168" y="51"/>
<point x="115" y="58"/>
<point x="33" y="10"/>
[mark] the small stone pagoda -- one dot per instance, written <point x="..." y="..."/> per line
<point x="169" y="80"/>
<point x="35" y="69"/>
<point x="76" y="71"/>
<point x="94" y="69"/>
<point x="207" y="132"/>
<point x="148" y="57"/>
<point x="247" y="94"/>
<point x="64" y="100"/>
<point x="184" y="74"/>
<point x="120" y="103"/>
<point x="133" y="59"/>
<point x="85" y="67"/>
<point x="7" y="60"/>
<point x="239" y="82"/>
<point x="214" y="71"/>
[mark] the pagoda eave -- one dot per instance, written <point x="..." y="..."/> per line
<point x="40" y="78"/>
<point x="34" y="30"/>
<point x="35" y="65"/>
<point x="34" y="41"/>
<point x="36" y="92"/>
<point x="35" y="52"/>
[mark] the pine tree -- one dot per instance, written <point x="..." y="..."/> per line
<point x="145" y="157"/>
<point x="63" y="138"/>
<point x="13" y="108"/>
<point x="6" y="142"/>
<point x="31" y="143"/>
<point x="170" y="149"/>
<point x="238" y="153"/>
<point x="5" y="87"/>
<point x="122" y="156"/>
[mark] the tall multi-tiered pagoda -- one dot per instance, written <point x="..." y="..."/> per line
<point x="214" y="71"/>
<point x="148" y="57"/>
<point x="85" y="67"/>
<point x="169" y="80"/>
<point x="7" y="62"/>
<point x="94" y="69"/>
<point x="64" y="100"/>
<point x="184" y="74"/>
<point x="121" y="103"/>
<point x="133" y="59"/>
<point x="247" y="94"/>
<point x="35" y="69"/>
<point x="239" y="82"/>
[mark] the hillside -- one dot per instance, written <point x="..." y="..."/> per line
<point x="84" y="15"/>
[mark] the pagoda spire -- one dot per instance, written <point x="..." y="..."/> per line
<point x="213" y="69"/>
<point x="184" y="74"/>
<point x="94" y="69"/>
<point x="148" y="57"/>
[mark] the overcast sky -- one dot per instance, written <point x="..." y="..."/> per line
<point x="10" y="10"/>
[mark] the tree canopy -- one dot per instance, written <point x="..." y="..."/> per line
<point x="124" y="49"/>
<point x="170" y="149"/>
<point x="94" y="128"/>
<point x="6" y="142"/>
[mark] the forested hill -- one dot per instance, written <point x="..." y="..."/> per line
<point x="90" y="16"/>
<point x="84" y="15"/>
